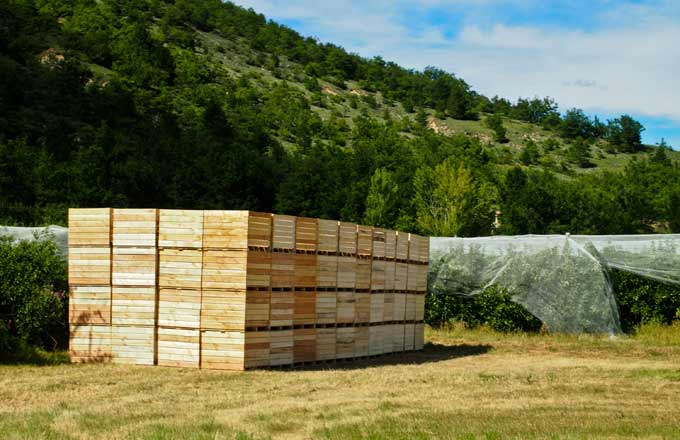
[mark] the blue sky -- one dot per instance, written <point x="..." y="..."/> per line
<point x="608" y="57"/>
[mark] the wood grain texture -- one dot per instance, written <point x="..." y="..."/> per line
<point x="134" y="227"/>
<point x="180" y="228"/>
<point x="89" y="227"/>
<point x="89" y="305"/>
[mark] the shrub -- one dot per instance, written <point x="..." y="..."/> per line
<point x="33" y="282"/>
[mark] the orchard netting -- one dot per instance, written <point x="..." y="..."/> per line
<point x="563" y="280"/>
<point x="58" y="233"/>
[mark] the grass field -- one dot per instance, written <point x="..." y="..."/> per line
<point x="466" y="384"/>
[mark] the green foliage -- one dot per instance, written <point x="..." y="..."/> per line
<point x="625" y="134"/>
<point x="530" y="154"/>
<point x="579" y="153"/>
<point x="32" y="294"/>
<point x="495" y="122"/>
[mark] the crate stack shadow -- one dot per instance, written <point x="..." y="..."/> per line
<point x="240" y="289"/>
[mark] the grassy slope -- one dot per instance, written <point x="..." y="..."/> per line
<point x="466" y="384"/>
<point x="237" y="58"/>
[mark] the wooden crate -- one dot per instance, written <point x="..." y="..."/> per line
<point x="304" y="309"/>
<point x="258" y="269"/>
<point x="133" y="344"/>
<point x="378" y="275"/>
<point x="223" y="310"/>
<point x="306" y="234"/>
<point x="89" y="343"/>
<point x="236" y="230"/>
<point x="324" y="310"/>
<point x="89" y="266"/>
<point x="89" y="227"/>
<point x="180" y="268"/>
<point x="388" y="307"/>
<point x="376" y="340"/>
<point x="419" y="248"/>
<point x="379" y="235"/>
<point x="390" y="274"/>
<point x="363" y="273"/>
<point x="362" y="304"/>
<point x="344" y="342"/>
<point x="347" y="272"/>
<point x="419" y="338"/>
<point x="364" y="241"/>
<point x="257" y="308"/>
<point x="224" y="269"/>
<point x="377" y="307"/>
<point x="399" y="310"/>
<point x="178" y="347"/>
<point x="282" y="308"/>
<point x="361" y="340"/>
<point x="283" y="236"/>
<point x="400" y="276"/>
<point x="409" y="337"/>
<point x="388" y="338"/>
<point x="397" y="338"/>
<point x="347" y="238"/>
<point x="283" y="270"/>
<point x="133" y="306"/>
<point x="410" y="313"/>
<point x="345" y="307"/>
<point x="401" y="251"/>
<point x="259" y="230"/>
<point x="305" y="270"/>
<point x="222" y="350"/>
<point x="420" y="307"/>
<point x="304" y="345"/>
<point x="412" y="277"/>
<point x="421" y="278"/>
<point x="390" y="244"/>
<point x="325" y="344"/>
<point x="134" y="227"/>
<point x="179" y="308"/>
<point x="180" y="228"/>
<point x="134" y="267"/>
<point x="257" y="349"/>
<point x="327" y="271"/>
<point x="281" y="349"/>
<point x="327" y="238"/>
<point x="89" y="305"/>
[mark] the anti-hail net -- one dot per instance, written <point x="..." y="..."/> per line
<point x="561" y="279"/>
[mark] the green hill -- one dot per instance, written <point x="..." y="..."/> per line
<point x="202" y="104"/>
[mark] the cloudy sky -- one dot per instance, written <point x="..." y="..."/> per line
<point x="607" y="57"/>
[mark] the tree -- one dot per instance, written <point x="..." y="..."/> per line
<point x="382" y="200"/>
<point x="625" y="134"/>
<point x="660" y="156"/>
<point x="674" y="210"/>
<point x="576" y="124"/>
<point x="530" y="153"/>
<point x="495" y="122"/>
<point x="579" y="153"/>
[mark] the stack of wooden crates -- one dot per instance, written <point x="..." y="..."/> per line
<point x="239" y="289"/>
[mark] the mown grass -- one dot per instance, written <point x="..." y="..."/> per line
<point x="465" y="384"/>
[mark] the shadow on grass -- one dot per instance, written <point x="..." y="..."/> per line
<point x="34" y="356"/>
<point x="430" y="353"/>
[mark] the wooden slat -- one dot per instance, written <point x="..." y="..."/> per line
<point x="223" y="310"/>
<point x="305" y="270"/>
<point x="401" y="252"/>
<point x="304" y="312"/>
<point x="419" y="338"/>
<point x="180" y="268"/>
<point x="88" y="305"/>
<point x="410" y="314"/>
<point x="180" y="228"/>
<point x="133" y="345"/>
<point x="134" y="266"/>
<point x="283" y="235"/>
<point x="398" y="338"/>
<point x="257" y="308"/>
<point x="89" y="343"/>
<point x="257" y="349"/>
<point x="222" y="350"/>
<point x="326" y="303"/>
<point x="388" y="308"/>
<point x="134" y="227"/>
<point x="347" y="272"/>
<point x="178" y="347"/>
<point x="378" y="275"/>
<point x="304" y="345"/>
<point x="401" y="276"/>
<point x="259" y="268"/>
<point x="306" y="234"/>
<point x="420" y="307"/>
<point x="133" y="306"/>
<point x="363" y="273"/>
<point x="414" y="243"/>
<point x="344" y="342"/>
<point x="421" y="278"/>
<point x="409" y="337"/>
<point x="345" y="307"/>
<point x="283" y="270"/>
<point x="347" y="238"/>
<point x="412" y="277"/>
<point x="390" y="244"/>
<point x="364" y="240"/>
<point x="259" y="230"/>
<point x="377" y="307"/>
<point x="282" y="309"/>
<point x="325" y="344"/>
<point x="376" y="340"/>
<point x="281" y="351"/>
<point x="361" y="339"/>
<point x="224" y="269"/>
<point x="390" y="274"/>
<point x="388" y="335"/>
<point x="89" y="266"/>
<point x="327" y="271"/>
<point x="399" y="310"/>
<point x="362" y="304"/>
<point x="179" y="308"/>
<point x="327" y="239"/>
<point x="89" y="227"/>
<point x="225" y="230"/>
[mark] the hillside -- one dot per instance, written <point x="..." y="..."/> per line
<point x="206" y="105"/>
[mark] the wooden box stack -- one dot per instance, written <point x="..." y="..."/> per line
<point x="239" y="289"/>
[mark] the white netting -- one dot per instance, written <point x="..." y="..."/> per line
<point x="563" y="280"/>
<point x="60" y="234"/>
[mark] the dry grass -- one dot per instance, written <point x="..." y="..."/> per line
<point x="466" y="384"/>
